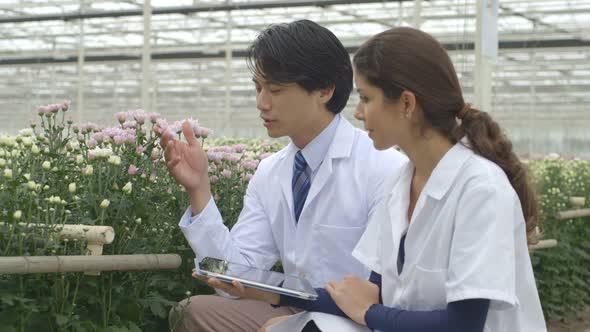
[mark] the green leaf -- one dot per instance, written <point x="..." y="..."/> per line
<point x="133" y="327"/>
<point x="158" y="309"/>
<point x="129" y="310"/>
<point x="7" y="329"/>
<point x="61" y="320"/>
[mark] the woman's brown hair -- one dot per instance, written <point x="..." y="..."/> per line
<point x="408" y="59"/>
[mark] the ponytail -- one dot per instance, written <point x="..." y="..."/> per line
<point x="488" y="140"/>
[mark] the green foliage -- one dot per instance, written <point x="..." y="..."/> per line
<point x="563" y="273"/>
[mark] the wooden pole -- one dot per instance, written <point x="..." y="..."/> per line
<point x="543" y="244"/>
<point x="569" y="214"/>
<point x="57" y="264"/>
<point x="92" y="234"/>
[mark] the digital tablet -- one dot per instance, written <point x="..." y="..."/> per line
<point x="266" y="280"/>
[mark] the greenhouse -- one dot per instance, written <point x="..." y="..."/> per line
<point x="134" y="136"/>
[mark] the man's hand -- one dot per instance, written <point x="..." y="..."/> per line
<point x="187" y="163"/>
<point x="237" y="289"/>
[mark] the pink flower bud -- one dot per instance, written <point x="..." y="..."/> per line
<point x="130" y="124"/>
<point x="121" y="117"/>
<point x="154" y="117"/>
<point x="119" y="140"/>
<point x="132" y="170"/>
<point x="239" y="148"/>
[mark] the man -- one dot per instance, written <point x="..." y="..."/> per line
<point x="307" y="204"/>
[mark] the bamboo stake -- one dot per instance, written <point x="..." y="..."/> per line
<point x="543" y="244"/>
<point x="569" y="214"/>
<point x="57" y="264"/>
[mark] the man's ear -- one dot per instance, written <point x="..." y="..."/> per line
<point x="326" y="94"/>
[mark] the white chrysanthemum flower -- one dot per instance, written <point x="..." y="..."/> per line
<point x="89" y="170"/>
<point x="27" y="132"/>
<point x="27" y="142"/>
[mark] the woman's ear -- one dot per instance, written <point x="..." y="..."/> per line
<point x="408" y="101"/>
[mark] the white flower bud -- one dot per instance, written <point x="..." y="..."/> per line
<point x="27" y="142"/>
<point x="31" y="185"/>
<point x="105" y="204"/>
<point x="72" y="187"/>
<point x="88" y="170"/>
<point x="46" y="165"/>
<point x="127" y="188"/>
<point x="114" y="160"/>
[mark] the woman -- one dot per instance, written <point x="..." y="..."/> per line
<point x="448" y="244"/>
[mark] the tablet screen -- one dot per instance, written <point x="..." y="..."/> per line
<point x="248" y="273"/>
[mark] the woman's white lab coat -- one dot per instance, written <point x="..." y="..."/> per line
<point x="466" y="240"/>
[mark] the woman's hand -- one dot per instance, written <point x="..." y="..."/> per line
<point x="354" y="296"/>
<point x="237" y="289"/>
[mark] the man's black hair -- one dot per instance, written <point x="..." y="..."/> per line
<point x="305" y="53"/>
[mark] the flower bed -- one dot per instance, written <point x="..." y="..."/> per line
<point x="57" y="173"/>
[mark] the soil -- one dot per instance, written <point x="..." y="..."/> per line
<point x="579" y="323"/>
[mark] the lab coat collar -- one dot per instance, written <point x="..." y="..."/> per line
<point x="447" y="169"/>
<point x="340" y="147"/>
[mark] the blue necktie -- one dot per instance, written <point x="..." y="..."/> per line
<point x="300" y="183"/>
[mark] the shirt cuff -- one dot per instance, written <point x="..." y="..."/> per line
<point x="374" y="315"/>
<point x="188" y="219"/>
